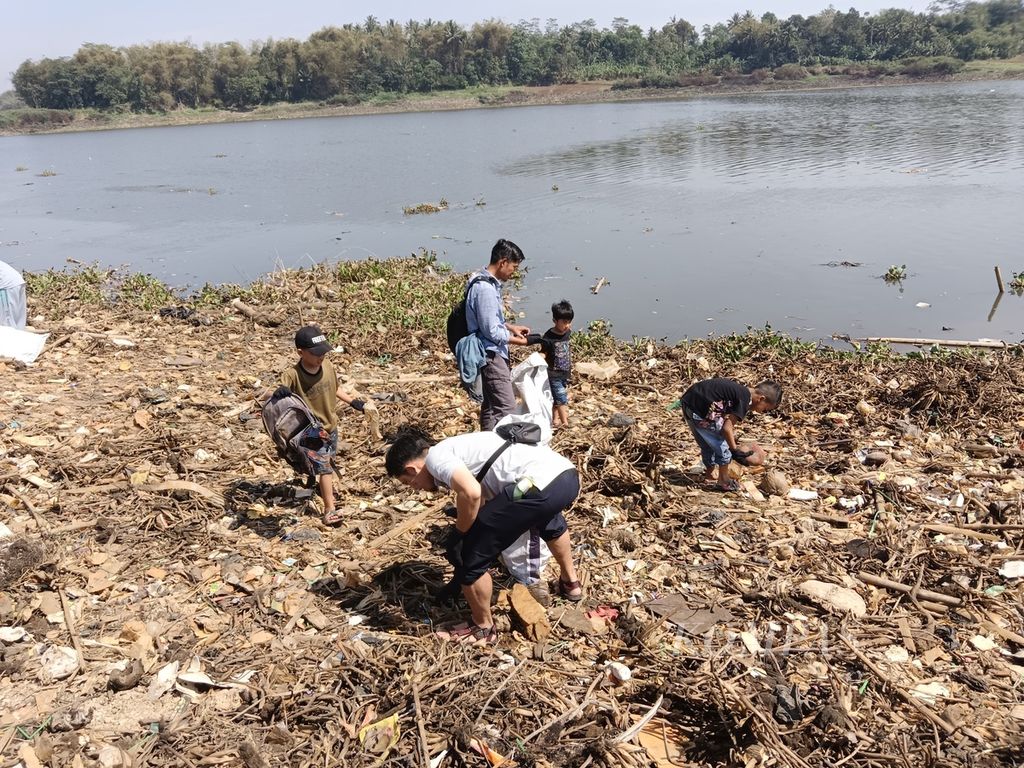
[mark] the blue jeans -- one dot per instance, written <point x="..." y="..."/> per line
<point x="559" y="391"/>
<point x="714" y="449"/>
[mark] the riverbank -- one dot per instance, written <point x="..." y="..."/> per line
<point x="494" y="97"/>
<point x="164" y="594"/>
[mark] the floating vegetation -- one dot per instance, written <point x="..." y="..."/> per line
<point x="69" y="291"/>
<point x="481" y="203"/>
<point x="48" y="172"/>
<point x="211" y="191"/>
<point x="554" y="187"/>
<point x="895" y="274"/>
<point x="1017" y="283"/>
<point x="20" y="168"/>
<point x="411" y="210"/>
<point x="220" y="154"/>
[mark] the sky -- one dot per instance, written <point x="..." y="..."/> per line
<point x="54" y="28"/>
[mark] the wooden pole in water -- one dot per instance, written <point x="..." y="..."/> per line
<point x="999" y="280"/>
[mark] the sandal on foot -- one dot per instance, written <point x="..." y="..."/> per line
<point x="469" y="634"/>
<point x="334" y="517"/>
<point x="567" y="590"/>
<point x="729" y="487"/>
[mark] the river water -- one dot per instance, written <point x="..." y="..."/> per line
<point x="704" y="216"/>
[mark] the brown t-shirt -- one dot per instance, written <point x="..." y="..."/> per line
<point x="319" y="390"/>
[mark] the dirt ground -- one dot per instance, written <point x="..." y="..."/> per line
<point x="168" y="597"/>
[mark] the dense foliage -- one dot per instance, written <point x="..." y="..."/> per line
<point x="343" y="64"/>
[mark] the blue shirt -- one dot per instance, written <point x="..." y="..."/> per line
<point x="485" y="314"/>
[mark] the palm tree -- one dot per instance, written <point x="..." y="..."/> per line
<point x="454" y="40"/>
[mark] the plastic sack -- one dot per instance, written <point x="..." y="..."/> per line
<point x="536" y="406"/>
<point x="526" y="558"/>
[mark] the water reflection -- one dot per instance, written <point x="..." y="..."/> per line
<point x="799" y="136"/>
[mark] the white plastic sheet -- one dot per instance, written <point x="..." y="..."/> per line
<point x="21" y="345"/>
<point x="530" y="382"/>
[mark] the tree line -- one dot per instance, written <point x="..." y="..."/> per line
<point x="344" y="64"/>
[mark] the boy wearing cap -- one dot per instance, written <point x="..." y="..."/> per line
<point x="314" y="379"/>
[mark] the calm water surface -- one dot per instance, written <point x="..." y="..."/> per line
<point x="704" y="215"/>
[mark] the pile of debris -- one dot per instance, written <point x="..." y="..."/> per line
<point x="169" y="597"/>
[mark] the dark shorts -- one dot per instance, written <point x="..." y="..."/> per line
<point x="502" y="520"/>
<point x="319" y="446"/>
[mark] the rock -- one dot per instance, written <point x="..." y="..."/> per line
<point x="113" y="757"/>
<point x="775" y="483"/>
<point x="123" y="679"/>
<point x="833" y="598"/>
<point x="867" y="549"/>
<point x="576" y="620"/>
<point x="621" y="420"/>
<point x="154" y="395"/>
<point x="530" y="613"/>
<point x="875" y="458"/>
<point x="69" y="720"/>
<point x="756" y="459"/>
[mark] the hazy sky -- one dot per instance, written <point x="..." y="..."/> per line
<point x="53" y="28"/>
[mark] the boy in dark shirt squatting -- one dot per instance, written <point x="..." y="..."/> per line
<point x="711" y="408"/>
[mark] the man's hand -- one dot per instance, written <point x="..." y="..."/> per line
<point x="518" y="330"/>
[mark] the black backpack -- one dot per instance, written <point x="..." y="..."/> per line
<point x="458" y="328"/>
<point x="286" y="417"/>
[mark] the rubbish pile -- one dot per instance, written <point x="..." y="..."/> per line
<point x="169" y="597"/>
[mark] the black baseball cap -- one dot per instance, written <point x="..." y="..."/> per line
<point x="313" y="339"/>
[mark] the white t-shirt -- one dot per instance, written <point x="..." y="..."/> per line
<point x="537" y="462"/>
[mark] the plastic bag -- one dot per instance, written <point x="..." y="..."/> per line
<point x="527" y="557"/>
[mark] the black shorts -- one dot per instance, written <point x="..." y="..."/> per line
<point x="502" y="520"/>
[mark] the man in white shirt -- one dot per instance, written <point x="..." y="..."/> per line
<point x="13" y="306"/>
<point x="525" y="486"/>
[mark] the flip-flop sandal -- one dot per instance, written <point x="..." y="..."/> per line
<point x="469" y="634"/>
<point x="565" y="589"/>
<point x="332" y="518"/>
<point x="731" y="487"/>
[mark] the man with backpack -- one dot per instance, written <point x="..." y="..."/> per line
<point x="485" y="318"/>
<point x="504" y="486"/>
